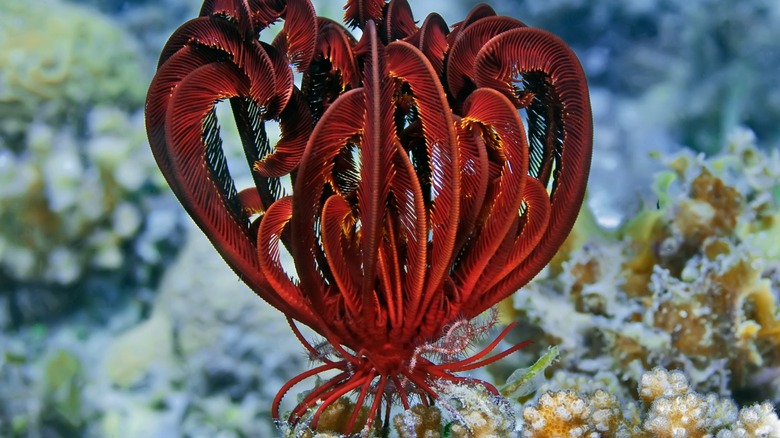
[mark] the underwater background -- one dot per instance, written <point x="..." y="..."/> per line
<point x="118" y="318"/>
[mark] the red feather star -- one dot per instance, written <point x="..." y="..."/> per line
<point x="416" y="196"/>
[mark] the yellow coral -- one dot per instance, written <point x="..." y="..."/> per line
<point x="606" y="416"/>
<point x="672" y="409"/>
<point x="679" y="416"/>
<point x="419" y="421"/>
<point x="660" y="383"/>
<point x="712" y="209"/>
<point x="676" y="411"/>
<point x="759" y="421"/>
<point x="336" y="416"/>
<point x="558" y="414"/>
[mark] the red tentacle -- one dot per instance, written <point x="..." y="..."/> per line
<point x="298" y="379"/>
<point x="349" y="385"/>
<point x="464" y="50"/>
<point x="359" y="403"/>
<point x="408" y="63"/>
<point x="496" y="113"/>
<point x="357" y="13"/>
<point x="524" y="50"/>
<point x="377" y="150"/>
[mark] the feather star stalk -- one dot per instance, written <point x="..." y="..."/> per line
<point x="418" y="197"/>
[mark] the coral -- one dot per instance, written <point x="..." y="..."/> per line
<point x="661" y="383"/>
<point x="205" y="362"/>
<point x="680" y="416"/>
<point x="674" y="410"/>
<point x="758" y="421"/>
<point x="333" y="423"/>
<point x="462" y="410"/>
<point x="62" y="389"/>
<point x="689" y="285"/>
<point x="668" y="408"/>
<point x="336" y="417"/>
<point x="475" y="413"/>
<point x="645" y="65"/>
<point x="558" y="414"/>
<point x="81" y="213"/>
<point x="131" y="357"/>
<point x="419" y="421"/>
<point x="57" y="59"/>
<point x="570" y="413"/>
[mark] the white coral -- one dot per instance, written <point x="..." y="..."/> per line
<point x="757" y="421"/>
<point x="678" y="416"/>
<point x="662" y="383"/>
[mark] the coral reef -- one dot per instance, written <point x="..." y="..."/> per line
<point x="74" y="163"/>
<point x="690" y="285"/>
<point x="198" y="365"/>
<point x="463" y="410"/>
<point x="663" y="406"/>
<point x="210" y="355"/>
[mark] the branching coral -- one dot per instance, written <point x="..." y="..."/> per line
<point x="663" y="406"/>
<point x="559" y="414"/>
<point x="758" y="421"/>
<point x="674" y="410"/>
<point x="668" y="408"/>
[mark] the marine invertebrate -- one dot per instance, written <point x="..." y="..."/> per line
<point x="759" y="420"/>
<point x="404" y="185"/>
<point x="558" y="414"/>
<point x="475" y="411"/>
<point x="666" y="407"/>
